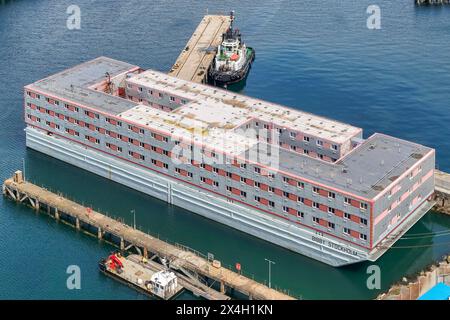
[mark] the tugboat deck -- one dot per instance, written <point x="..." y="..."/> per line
<point x="194" y="61"/>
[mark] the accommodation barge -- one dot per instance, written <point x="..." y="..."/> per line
<point x="304" y="182"/>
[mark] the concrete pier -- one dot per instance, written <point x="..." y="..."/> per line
<point x="195" y="59"/>
<point x="442" y="192"/>
<point x="179" y="257"/>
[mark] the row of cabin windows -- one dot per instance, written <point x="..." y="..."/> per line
<point x="130" y="127"/>
<point x="160" y="94"/>
<point x="293" y="135"/>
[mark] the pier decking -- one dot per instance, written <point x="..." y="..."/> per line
<point x="194" y="61"/>
<point x="442" y="191"/>
<point x="58" y="206"/>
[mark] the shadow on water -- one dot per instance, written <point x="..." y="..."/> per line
<point x="302" y="276"/>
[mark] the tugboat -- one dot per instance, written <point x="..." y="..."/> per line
<point x="233" y="58"/>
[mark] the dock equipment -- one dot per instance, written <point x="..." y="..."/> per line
<point x="194" y="61"/>
<point x="84" y="218"/>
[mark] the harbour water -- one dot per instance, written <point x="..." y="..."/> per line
<point x="316" y="56"/>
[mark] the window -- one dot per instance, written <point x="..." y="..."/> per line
<point x="293" y="148"/>
<point x="243" y="180"/>
<point x="190" y="175"/>
<point x="305" y="138"/>
<point x="257" y="198"/>
<point x="244" y="194"/>
<point x="141" y="144"/>
<point x="319" y="143"/>
<point x="130" y="140"/>
<point x="119" y="149"/>
<point x="270" y="189"/>
<point x="285" y="209"/>
<point x="363" y="236"/>
<point x="347" y="200"/>
<point x="332" y="195"/>
<point x="257" y="170"/>
<point x="300" y="214"/>
<point x="177" y="170"/>
<point x="320" y="156"/>
<point x="347" y="215"/>
<point x="257" y="184"/>
<point x="334" y="147"/>
<point x="331" y="210"/>
<point x="229" y="189"/>
<point x="331" y="225"/>
<point x="150" y="92"/>
<point x="315" y="205"/>
<point x="285" y="194"/>
<point x="315" y="190"/>
<point x="215" y="170"/>
<point x="301" y="185"/>
<point x="165" y="152"/>
<point x="271" y="204"/>
<point x="202" y="179"/>
<point x="292" y="134"/>
<point x="256" y="124"/>
<point x="216" y="184"/>
<point x="165" y="139"/>
<point x="306" y="151"/>
<point x="301" y="199"/>
<point x="316" y="220"/>
<point x="160" y="95"/>
<point x="243" y="165"/>
<point x="363" y="206"/>
<point x="229" y="175"/>
<point x="346" y="230"/>
<point x="172" y="99"/>
<point x="285" y="179"/>
<point x="141" y="131"/>
<point x="364" y="221"/>
<point x="165" y="166"/>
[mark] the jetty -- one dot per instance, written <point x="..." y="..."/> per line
<point x="197" y="56"/>
<point x="442" y="191"/>
<point x="192" y="264"/>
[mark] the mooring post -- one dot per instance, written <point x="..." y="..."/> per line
<point x="56" y="214"/>
<point x="222" y="287"/>
<point x="77" y="223"/>
<point x="99" y="233"/>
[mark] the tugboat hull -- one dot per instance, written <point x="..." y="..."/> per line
<point x="219" y="78"/>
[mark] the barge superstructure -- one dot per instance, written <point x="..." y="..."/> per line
<point x="304" y="182"/>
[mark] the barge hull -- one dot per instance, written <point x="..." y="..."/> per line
<point x="273" y="229"/>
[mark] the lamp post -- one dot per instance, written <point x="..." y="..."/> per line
<point x="134" y="218"/>
<point x="270" y="262"/>
<point x="23" y="168"/>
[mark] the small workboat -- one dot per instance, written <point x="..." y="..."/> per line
<point x="233" y="59"/>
